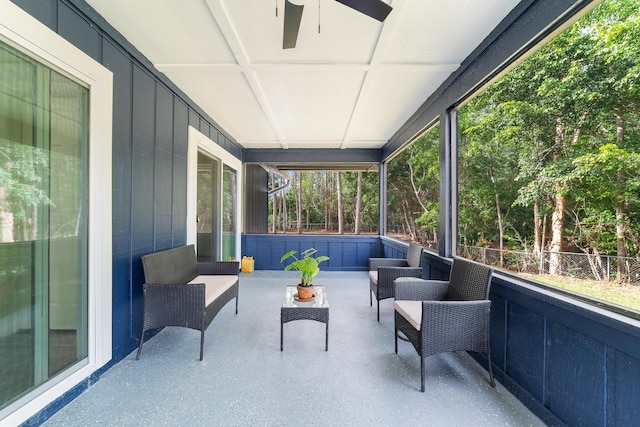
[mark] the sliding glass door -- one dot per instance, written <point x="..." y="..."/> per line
<point x="207" y="246"/>
<point x="214" y="200"/>
<point x="43" y="223"/>
<point x="217" y="210"/>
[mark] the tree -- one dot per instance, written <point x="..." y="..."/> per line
<point x="413" y="181"/>
<point x="298" y="176"/>
<point x="22" y="190"/>
<point x="340" y="205"/>
<point x="356" y="228"/>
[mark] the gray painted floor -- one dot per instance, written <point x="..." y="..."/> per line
<point x="245" y="380"/>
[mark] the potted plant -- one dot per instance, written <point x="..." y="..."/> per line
<point x="308" y="267"/>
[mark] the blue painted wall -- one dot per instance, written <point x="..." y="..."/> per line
<point x="150" y="129"/>
<point x="569" y="362"/>
<point x="346" y="253"/>
<point x="580" y="363"/>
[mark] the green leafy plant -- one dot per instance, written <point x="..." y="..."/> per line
<point x="307" y="266"/>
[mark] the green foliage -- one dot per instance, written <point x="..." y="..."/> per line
<point x="307" y="266"/>
<point x="413" y="189"/>
<point x="563" y="123"/>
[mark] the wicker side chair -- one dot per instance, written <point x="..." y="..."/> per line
<point x="441" y="316"/>
<point x="383" y="271"/>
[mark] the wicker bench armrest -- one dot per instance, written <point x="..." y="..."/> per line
<point x="415" y="289"/>
<point x="174" y="305"/>
<point x="219" y="267"/>
<point x="375" y="263"/>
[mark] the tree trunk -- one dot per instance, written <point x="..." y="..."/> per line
<point x="416" y="190"/>
<point x="308" y="198"/>
<point x="358" y="203"/>
<point x="543" y="242"/>
<point x="299" y="202"/>
<point x="557" y="217"/>
<point x="326" y="201"/>
<point x="409" y="227"/>
<point x="340" y="207"/>
<point x="557" y="224"/>
<point x="537" y="235"/>
<point x="275" y="205"/>
<point x="537" y="229"/>
<point x="499" y="216"/>
<point x="621" y="203"/>
<point x="285" y="214"/>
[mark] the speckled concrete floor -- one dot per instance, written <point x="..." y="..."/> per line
<point x="245" y="380"/>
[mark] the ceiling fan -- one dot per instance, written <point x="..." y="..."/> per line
<point x="376" y="9"/>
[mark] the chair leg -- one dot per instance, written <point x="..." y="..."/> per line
<point x="140" y="347"/>
<point x="422" y="374"/>
<point x="493" y="381"/>
<point x="396" y="339"/>
<point x="201" y="344"/>
<point x="236" y="305"/>
<point x="370" y="298"/>
<point x="378" y="310"/>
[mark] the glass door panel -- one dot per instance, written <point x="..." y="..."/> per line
<point x="43" y="223"/>
<point x="229" y="212"/>
<point x="207" y="208"/>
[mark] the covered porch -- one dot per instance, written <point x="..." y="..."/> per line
<point x="558" y="360"/>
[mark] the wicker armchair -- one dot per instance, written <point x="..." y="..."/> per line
<point x="440" y="316"/>
<point x="383" y="271"/>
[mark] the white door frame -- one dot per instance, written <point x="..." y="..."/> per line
<point x="200" y="142"/>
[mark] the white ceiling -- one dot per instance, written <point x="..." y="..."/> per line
<point x="351" y="86"/>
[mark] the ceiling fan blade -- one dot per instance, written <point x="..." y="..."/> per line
<point x="292" y="17"/>
<point x="377" y="9"/>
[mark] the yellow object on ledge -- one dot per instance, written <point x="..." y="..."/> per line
<point x="246" y="266"/>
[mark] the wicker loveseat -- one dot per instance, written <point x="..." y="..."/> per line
<point x="179" y="291"/>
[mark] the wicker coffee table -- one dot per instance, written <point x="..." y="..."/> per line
<point x="317" y="309"/>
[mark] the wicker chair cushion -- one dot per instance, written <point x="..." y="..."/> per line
<point x="214" y="286"/>
<point x="411" y="311"/>
<point x="373" y="276"/>
<point x="414" y="255"/>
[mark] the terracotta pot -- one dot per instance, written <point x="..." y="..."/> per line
<point x="305" y="293"/>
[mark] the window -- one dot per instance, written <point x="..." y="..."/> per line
<point x="327" y="201"/>
<point x="413" y="187"/>
<point x="549" y="182"/>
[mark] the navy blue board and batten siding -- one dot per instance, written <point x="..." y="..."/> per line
<point x="571" y="363"/>
<point x="150" y="131"/>
<point x="346" y="253"/>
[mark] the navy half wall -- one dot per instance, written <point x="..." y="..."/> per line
<point x="570" y="362"/>
<point x="346" y="253"/>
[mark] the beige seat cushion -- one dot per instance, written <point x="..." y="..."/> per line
<point x="411" y="311"/>
<point x="214" y="285"/>
<point x="373" y="276"/>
